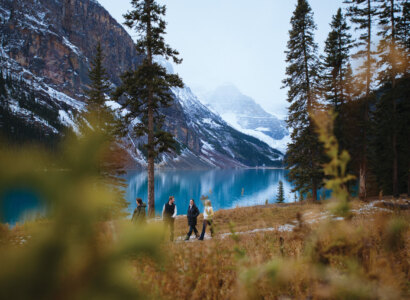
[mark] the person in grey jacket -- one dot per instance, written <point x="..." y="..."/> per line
<point x="138" y="217"/>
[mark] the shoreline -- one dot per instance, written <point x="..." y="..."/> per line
<point x="205" y="169"/>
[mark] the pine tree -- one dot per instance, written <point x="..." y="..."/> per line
<point x="390" y="63"/>
<point x="403" y="35"/>
<point x="147" y="89"/>
<point x="304" y="154"/>
<point x="389" y="68"/>
<point x="99" y="90"/>
<point x="101" y="120"/>
<point x="336" y="61"/>
<point x="337" y="72"/>
<point x="362" y="13"/>
<point x="280" y="198"/>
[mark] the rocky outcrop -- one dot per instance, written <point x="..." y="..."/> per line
<point x="55" y="40"/>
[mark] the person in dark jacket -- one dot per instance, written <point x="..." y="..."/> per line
<point x="138" y="217"/>
<point x="193" y="213"/>
<point x="169" y="212"/>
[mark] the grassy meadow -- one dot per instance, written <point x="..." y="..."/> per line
<point x="365" y="257"/>
<point x="316" y="256"/>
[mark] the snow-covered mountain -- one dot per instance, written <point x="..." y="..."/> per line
<point x="45" y="52"/>
<point x="245" y="115"/>
<point x="220" y="144"/>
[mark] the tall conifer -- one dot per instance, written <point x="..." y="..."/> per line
<point x="403" y="35"/>
<point x="304" y="154"/>
<point x="98" y="91"/>
<point x="337" y="71"/>
<point x="362" y="13"/>
<point x="391" y="62"/>
<point x="101" y="119"/>
<point x="147" y="89"/>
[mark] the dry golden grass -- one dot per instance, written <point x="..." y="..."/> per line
<point x="365" y="257"/>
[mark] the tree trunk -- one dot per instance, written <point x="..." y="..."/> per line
<point x="362" y="180"/>
<point x="314" y="191"/>
<point x="151" y="149"/>
<point x="363" y="163"/>
<point x="395" y="154"/>
<point x="151" y="178"/>
<point x="393" y="81"/>
<point x="408" y="181"/>
<point x="395" y="168"/>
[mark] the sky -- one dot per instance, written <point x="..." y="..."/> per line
<point x="239" y="42"/>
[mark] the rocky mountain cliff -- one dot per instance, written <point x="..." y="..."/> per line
<point x="46" y="47"/>
<point x="55" y="39"/>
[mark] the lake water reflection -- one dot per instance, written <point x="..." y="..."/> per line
<point x="225" y="188"/>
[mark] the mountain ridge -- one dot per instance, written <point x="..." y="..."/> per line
<point x="244" y="114"/>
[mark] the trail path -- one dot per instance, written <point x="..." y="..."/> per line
<point x="308" y="217"/>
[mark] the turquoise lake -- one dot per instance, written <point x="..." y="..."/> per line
<point x="227" y="188"/>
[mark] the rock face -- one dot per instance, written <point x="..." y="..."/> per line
<point x="46" y="47"/>
<point x="55" y="39"/>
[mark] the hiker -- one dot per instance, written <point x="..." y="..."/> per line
<point x="208" y="215"/>
<point x="193" y="213"/>
<point x="169" y="212"/>
<point x="138" y="217"/>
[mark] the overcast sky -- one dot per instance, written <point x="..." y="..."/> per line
<point x="234" y="41"/>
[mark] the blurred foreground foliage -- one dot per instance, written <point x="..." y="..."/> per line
<point x="79" y="251"/>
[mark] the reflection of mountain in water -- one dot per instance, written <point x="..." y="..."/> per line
<point x="224" y="187"/>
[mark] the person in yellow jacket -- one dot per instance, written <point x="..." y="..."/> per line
<point x="208" y="216"/>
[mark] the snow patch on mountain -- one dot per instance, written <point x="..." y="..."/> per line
<point x="210" y="122"/>
<point x="59" y="96"/>
<point x="71" y="46"/>
<point x="206" y="146"/>
<point x="259" y="133"/>
<point x="67" y="120"/>
<point x="29" y="116"/>
<point x="245" y="115"/>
